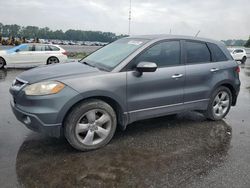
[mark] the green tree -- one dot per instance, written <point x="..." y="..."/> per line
<point x="247" y="44"/>
<point x="45" y="33"/>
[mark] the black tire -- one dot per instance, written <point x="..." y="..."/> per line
<point x="73" y="120"/>
<point x="52" y="60"/>
<point x="2" y="63"/>
<point x="210" y="114"/>
<point x="244" y="59"/>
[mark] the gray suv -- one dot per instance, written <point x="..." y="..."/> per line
<point x="131" y="79"/>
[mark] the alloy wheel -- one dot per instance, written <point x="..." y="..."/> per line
<point x="53" y="60"/>
<point x="221" y="103"/>
<point x="93" y="127"/>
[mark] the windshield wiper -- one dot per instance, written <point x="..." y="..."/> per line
<point x="87" y="64"/>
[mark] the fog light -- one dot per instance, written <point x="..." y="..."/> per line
<point x="26" y="120"/>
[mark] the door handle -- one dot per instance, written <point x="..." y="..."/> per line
<point x="177" y="76"/>
<point x="214" y="69"/>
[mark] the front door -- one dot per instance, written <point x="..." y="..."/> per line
<point x="160" y="92"/>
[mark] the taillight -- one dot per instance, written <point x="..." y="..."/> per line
<point x="237" y="70"/>
<point x="65" y="53"/>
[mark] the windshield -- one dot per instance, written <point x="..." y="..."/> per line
<point x="111" y="55"/>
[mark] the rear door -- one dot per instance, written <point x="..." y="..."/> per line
<point x="40" y="54"/>
<point x="160" y="92"/>
<point x="201" y="73"/>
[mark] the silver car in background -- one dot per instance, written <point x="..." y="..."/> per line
<point x="131" y="79"/>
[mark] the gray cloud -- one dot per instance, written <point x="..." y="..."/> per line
<point x="219" y="19"/>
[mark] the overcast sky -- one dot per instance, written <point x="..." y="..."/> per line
<point x="218" y="19"/>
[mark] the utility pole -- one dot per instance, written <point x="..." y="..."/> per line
<point x="129" y="17"/>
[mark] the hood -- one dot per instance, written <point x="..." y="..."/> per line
<point x="56" y="72"/>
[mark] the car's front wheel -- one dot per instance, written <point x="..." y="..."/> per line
<point x="90" y="125"/>
<point x="219" y="104"/>
<point x="2" y="62"/>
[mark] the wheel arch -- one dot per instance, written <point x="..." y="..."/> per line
<point x="3" y="59"/>
<point x="51" y="57"/>
<point x="230" y="86"/>
<point x="119" y="110"/>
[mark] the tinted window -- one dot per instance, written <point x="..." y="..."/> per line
<point x="54" y="48"/>
<point x="217" y="53"/>
<point x="40" y="48"/>
<point x="26" y="47"/>
<point x="163" y="54"/>
<point x="238" y="51"/>
<point x="197" y="52"/>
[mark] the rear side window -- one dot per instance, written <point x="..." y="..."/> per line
<point x="197" y="52"/>
<point x="217" y="53"/>
<point x="51" y="48"/>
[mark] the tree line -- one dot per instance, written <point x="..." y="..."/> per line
<point x="29" y="32"/>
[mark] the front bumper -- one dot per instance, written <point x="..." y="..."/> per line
<point x="44" y="114"/>
<point x="32" y="121"/>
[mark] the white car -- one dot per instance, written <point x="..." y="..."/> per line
<point x="239" y="54"/>
<point x="32" y="55"/>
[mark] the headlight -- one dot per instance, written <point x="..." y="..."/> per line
<point x="44" y="88"/>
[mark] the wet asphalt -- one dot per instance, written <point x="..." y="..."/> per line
<point x="173" y="151"/>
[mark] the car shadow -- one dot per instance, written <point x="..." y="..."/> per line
<point x="160" y="152"/>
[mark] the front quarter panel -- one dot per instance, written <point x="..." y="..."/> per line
<point x="111" y="85"/>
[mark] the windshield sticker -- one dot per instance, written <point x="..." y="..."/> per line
<point x="134" y="42"/>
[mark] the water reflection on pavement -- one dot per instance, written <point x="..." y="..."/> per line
<point x="174" y="151"/>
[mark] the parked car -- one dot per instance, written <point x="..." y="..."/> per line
<point x="128" y="80"/>
<point x="239" y="54"/>
<point x="32" y="54"/>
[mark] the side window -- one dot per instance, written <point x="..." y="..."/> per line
<point x="24" y="48"/>
<point x="40" y="48"/>
<point x="54" y="48"/>
<point x="217" y="53"/>
<point x="163" y="54"/>
<point x="197" y="52"/>
<point x="32" y="47"/>
<point x="47" y="48"/>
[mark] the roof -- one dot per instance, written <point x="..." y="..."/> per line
<point x="165" y="36"/>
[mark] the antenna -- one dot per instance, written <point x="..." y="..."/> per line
<point x="197" y="33"/>
<point x="129" y="17"/>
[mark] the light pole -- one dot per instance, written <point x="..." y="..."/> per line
<point x="129" y="17"/>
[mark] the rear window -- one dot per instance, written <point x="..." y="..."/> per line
<point x="217" y="53"/>
<point x="197" y="52"/>
<point x="238" y="51"/>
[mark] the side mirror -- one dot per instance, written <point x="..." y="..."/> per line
<point x="146" y="67"/>
<point x="17" y="50"/>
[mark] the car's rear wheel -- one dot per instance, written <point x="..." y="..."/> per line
<point x="2" y="62"/>
<point x="90" y="125"/>
<point x="244" y="59"/>
<point x="52" y="60"/>
<point x="219" y="104"/>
